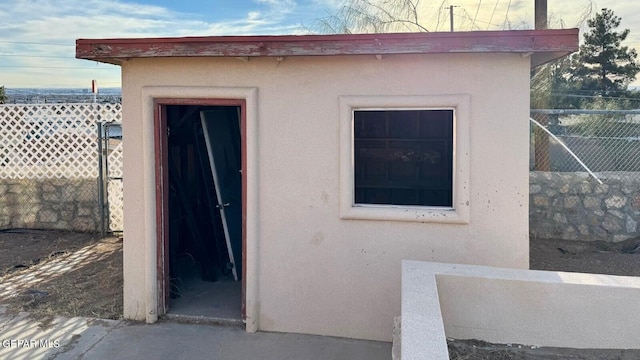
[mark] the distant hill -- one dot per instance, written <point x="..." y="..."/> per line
<point x="60" y="95"/>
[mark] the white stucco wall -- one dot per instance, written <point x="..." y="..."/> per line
<point x="315" y="272"/>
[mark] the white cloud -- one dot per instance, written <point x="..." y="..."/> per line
<point x="280" y="4"/>
<point x="28" y="25"/>
<point x="333" y="4"/>
<point x="44" y="33"/>
<point x="253" y="15"/>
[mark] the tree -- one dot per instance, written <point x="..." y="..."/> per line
<point x="551" y="87"/>
<point x="603" y="66"/>
<point x="384" y="16"/>
<point x="3" y="96"/>
<point x="374" y="16"/>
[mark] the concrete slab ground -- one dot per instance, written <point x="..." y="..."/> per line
<point x="22" y="337"/>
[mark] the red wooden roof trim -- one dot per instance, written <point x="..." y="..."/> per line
<point x="519" y="41"/>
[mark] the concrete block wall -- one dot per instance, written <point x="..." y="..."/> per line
<point x="514" y="306"/>
<point x="60" y="204"/>
<point x="574" y="206"/>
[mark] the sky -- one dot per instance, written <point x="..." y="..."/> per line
<point x="37" y="37"/>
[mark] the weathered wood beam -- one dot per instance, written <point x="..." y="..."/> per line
<point x="556" y="42"/>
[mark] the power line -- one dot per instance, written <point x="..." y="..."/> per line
<point x="54" y="67"/>
<point x="477" y="21"/>
<point x="594" y="96"/>
<point x="575" y="91"/>
<point x="493" y="12"/>
<point x="33" y="43"/>
<point x="66" y="85"/>
<point x="477" y="11"/>
<point x="473" y="22"/>
<point x="38" y="56"/>
<point x="506" y="15"/>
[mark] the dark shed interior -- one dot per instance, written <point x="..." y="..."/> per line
<point x="205" y="209"/>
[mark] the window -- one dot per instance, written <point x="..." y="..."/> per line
<point x="405" y="158"/>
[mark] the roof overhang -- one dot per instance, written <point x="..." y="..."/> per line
<point x="542" y="45"/>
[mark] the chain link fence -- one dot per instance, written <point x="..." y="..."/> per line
<point x="604" y="140"/>
<point x="585" y="179"/>
<point x="50" y="165"/>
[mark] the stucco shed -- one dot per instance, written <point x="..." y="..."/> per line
<point x="353" y="152"/>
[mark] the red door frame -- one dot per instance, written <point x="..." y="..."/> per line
<point x="162" y="189"/>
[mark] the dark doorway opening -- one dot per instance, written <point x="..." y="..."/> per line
<point x="201" y="261"/>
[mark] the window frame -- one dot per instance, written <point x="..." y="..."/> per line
<point x="391" y="116"/>
<point x="459" y="213"/>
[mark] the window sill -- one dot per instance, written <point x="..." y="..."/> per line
<point x="407" y="213"/>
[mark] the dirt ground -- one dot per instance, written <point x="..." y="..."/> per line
<point x="51" y="273"/>
<point x="478" y="350"/>
<point x="61" y="273"/>
<point x="596" y="257"/>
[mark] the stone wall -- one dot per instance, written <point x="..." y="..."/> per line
<point x="574" y="206"/>
<point x="62" y="204"/>
<point x="562" y="205"/>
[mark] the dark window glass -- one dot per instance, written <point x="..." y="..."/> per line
<point x="403" y="157"/>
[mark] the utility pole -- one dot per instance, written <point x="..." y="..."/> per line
<point x="451" y="17"/>
<point x="94" y="90"/>
<point x="542" y="161"/>
<point x="541" y="14"/>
